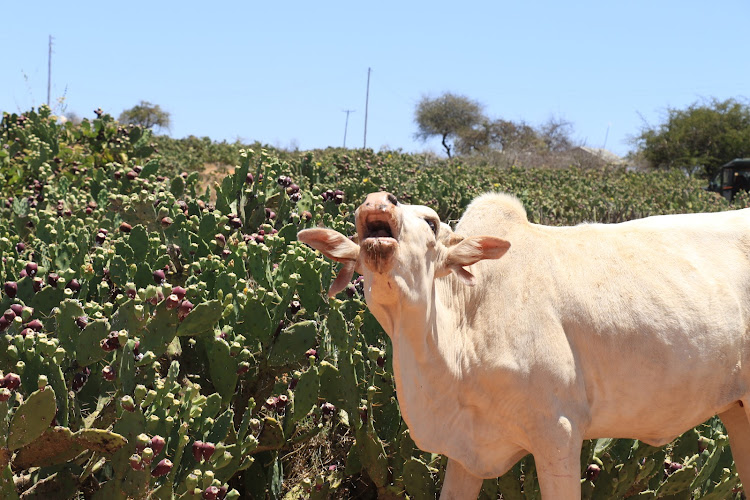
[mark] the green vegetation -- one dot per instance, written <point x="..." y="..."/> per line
<point x="164" y="340"/>
<point x="706" y="134"/>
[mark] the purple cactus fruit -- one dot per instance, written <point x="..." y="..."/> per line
<point x="243" y="368"/>
<point x="31" y="268"/>
<point x="327" y="409"/>
<point x="20" y="246"/>
<point x="79" y="380"/>
<point x="157" y="444"/>
<point x="592" y="472"/>
<point x="37" y="283"/>
<point x="270" y="214"/>
<point x="295" y="197"/>
<point x="136" y="463"/>
<point x="179" y="291"/>
<point x="166" y="222"/>
<point x="363" y="414"/>
<point x="672" y="467"/>
<point x="162" y="468"/>
<point x="380" y="361"/>
<point x="141" y="442"/>
<point x="223" y="492"/>
<point x="23" y="273"/>
<point x="82" y="321"/>
<point x="73" y="285"/>
<point x="197" y="450"/>
<point x="221" y="240"/>
<point x="9" y="315"/>
<point x="52" y="279"/>
<point x="35" y="325"/>
<point x="108" y="373"/>
<point x="26" y="332"/>
<point x="17" y="309"/>
<point x="208" y="449"/>
<point x="307" y="215"/>
<point x="271" y="403"/>
<point x="249" y="178"/>
<point x="11" y="381"/>
<point x="127" y="403"/>
<point x="311" y="353"/>
<point x="131" y="175"/>
<point x="11" y="288"/>
<point x="211" y="493"/>
<point x="295" y="306"/>
<point x="159" y="276"/>
<point x="281" y="402"/>
<point x="4" y="323"/>
<point x="4" y="394"/>
<point x="125" y="227"/>
<point x="172" y="301"/>
<point x="185" y="307"/>
<point x="100" y="237"/>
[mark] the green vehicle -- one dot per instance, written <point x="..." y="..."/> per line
<point x="731" y="178"/>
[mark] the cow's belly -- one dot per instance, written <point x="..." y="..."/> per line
<point x="658" y="392"/>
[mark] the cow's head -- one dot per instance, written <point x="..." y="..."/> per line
<point x="400" y="249"/>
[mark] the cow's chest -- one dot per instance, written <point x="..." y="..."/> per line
<point x="461" y="419"/>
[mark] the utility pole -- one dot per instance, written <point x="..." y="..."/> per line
<point x="367" y="103"/>
<point x="49" y="71"/>
<point x="346" y="124"/>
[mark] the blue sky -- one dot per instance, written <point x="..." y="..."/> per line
<point x="283" y="72"/>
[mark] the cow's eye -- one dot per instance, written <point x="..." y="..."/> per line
<point x="432" y="224"/>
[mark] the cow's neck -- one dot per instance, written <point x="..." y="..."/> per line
<point x="427" y="360"/>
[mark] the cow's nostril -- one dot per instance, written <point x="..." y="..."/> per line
<point x="392" y="199"/>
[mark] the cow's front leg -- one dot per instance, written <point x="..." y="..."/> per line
<point x="558" y="463"/>
<point x="459" y="484"/>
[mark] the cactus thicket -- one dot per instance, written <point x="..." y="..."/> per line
<point x="163" y="342"/>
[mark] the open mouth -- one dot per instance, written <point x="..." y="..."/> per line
<point x="377" y="226"/>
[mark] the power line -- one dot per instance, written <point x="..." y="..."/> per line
<point x="346" y="124"/>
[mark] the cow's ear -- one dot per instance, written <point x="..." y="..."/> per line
<point x="335" y="246"/>
<point x="469" y="251"/>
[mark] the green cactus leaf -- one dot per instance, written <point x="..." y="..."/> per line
<point x="100" y="440"/>
<point x="418" y="480"/>
<point x="201" y="319"/>
<point x="292" y="342"/>
<point x="271" y="436"/>
<point x="256" y="320"/>
<point x="47" y="299"/>
<point x="126" y="318"/>
<point x="221" y="426"/>
<point x="118" y="270"/>
<point x="373" y="457"/>
<point x="88" y="348"/>
<point x="67" y="330"/>
<point x="138" y="240"/>
<point x="31" y="418"/>
<point x="54" y="446"/>
<point x="222" y="366"/>
<point x="7" y="485"/>
<point x="305" y="394"/>
<point x="178" y="186"/>
<point x="160" y="330"/>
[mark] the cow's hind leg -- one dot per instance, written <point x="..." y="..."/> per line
<point x="459" y="484"/>
<point x="737" y="423"/>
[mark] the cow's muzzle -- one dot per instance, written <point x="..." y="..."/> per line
<point x="378" y="230"/>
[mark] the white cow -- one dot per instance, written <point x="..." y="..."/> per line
<point x="633" y="330"/>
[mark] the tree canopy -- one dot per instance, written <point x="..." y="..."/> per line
<point x="706" y="133"/>
<point x="447" y="116"/>
<point x="146" y="115"/>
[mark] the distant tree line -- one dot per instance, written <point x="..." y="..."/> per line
<point x="704" y="136"/>
<point x="464" y="129"/>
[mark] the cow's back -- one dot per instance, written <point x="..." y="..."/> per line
<point x="652" y="312"/>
